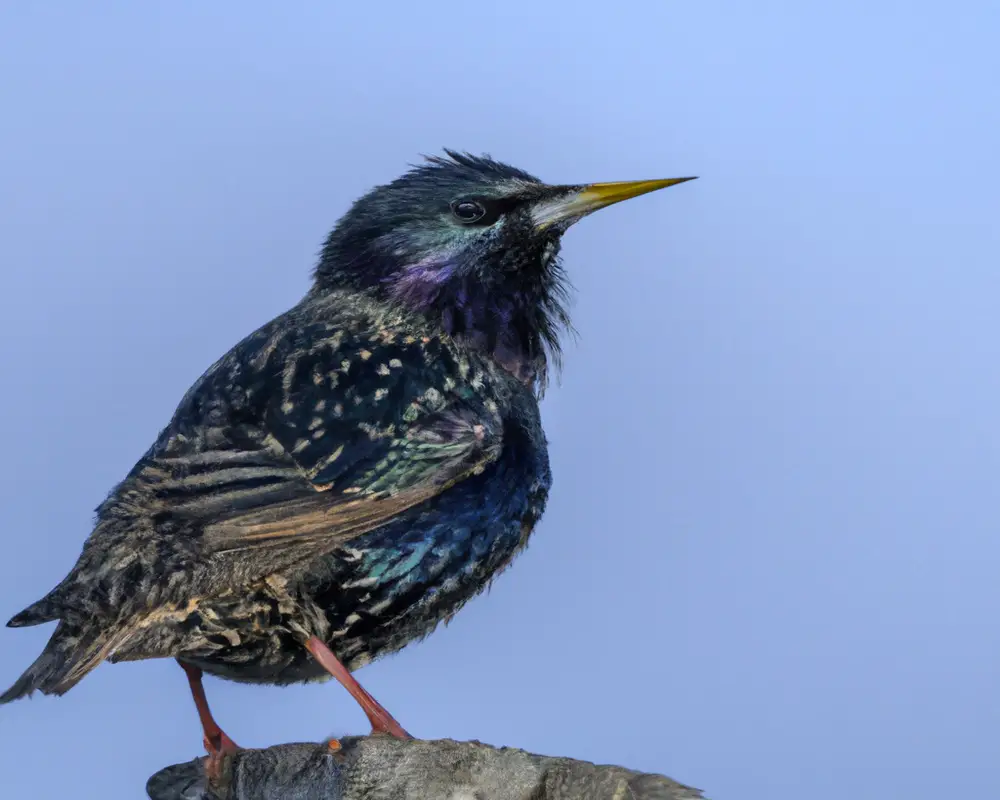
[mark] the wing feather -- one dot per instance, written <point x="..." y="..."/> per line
<point x="359" y="429"/>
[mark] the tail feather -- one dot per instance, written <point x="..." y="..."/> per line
<point x="45" y="610"/>
<point x="70" y="654"/>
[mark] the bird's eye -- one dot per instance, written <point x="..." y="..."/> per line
<point x="468" y="210"/>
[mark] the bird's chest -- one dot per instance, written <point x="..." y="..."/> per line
<point x="397" y="583"/>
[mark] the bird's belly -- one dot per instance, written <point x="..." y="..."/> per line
<point x="387" y="591"/>
<point x="382" y="590"/>
<point x="365" y="601"/>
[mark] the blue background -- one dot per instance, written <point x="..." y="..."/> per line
<point x="769" y="565"/>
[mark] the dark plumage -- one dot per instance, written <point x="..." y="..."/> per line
<point x="349" y="475"/>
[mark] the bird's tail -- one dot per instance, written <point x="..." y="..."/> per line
<point x="45" y="610"/>
<point x="71" y="653"/>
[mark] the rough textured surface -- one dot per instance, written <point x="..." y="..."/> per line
<point x="381" y="768"/>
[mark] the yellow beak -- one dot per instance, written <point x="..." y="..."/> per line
<point x="581" y="201"/>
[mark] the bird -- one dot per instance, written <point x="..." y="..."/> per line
<point x="354" y="471"/>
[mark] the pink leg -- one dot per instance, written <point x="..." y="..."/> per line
<point x="382" y="721"/>
<point x="216" y="741"/>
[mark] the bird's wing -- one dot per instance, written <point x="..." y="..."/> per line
<point x="372" y="425"/>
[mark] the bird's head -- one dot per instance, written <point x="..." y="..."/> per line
<point x="472" y="244"/>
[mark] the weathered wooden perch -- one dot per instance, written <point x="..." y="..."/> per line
<point x="383" y="768"/>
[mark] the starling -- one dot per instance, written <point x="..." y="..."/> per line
<point x="353" y="472"/>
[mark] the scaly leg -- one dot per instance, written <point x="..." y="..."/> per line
<point x="382" y="721"/>
<point x="216" y="741"/>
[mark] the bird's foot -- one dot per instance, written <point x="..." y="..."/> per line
<point x="382" y="727"/>
<point x="219" y="745"/>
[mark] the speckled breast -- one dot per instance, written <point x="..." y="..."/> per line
<point x="397" y="583"/>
